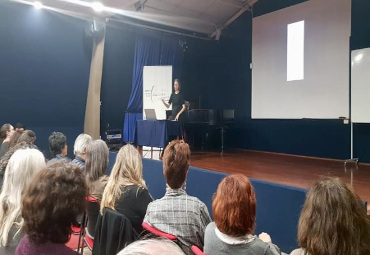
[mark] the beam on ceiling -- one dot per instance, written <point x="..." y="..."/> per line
<point x="157" y="29"/>
<point x="247" y="6"/>
<point x="234" y="3"/>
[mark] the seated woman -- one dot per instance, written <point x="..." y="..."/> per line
<point x="333" y="221"/>
<point x="50" y="205"/>
<point x="15" y="138"/>
<point x="6" y="132"/>
<point x="25" y="141"/>
<point x="22" y="167"/>
<point x="177" y="213"/>
<point x="234" y="212"/>
<point x="97" y="159"/>
<point x="126" y="191"/>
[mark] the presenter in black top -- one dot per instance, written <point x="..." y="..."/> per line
<point x="177" y="101"/>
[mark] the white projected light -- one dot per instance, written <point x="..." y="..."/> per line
<point x="295" y="51"/>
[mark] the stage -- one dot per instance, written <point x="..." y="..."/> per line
<point x="297" y="171"/>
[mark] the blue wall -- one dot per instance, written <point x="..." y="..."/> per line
<point x="44" y="71"/>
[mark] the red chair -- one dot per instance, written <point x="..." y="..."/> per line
<point x="197" y="251"/>
<point x="85" y="239"/>
<point x="158" y="232"/>
<point x="89" y="242"/>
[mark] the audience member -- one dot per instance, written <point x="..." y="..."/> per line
<point x="28" y="136"/>
<point x="22" y="167"/>
<point x="97" y="159"/>
<point x="50" y="205"/>
<point x="333" y="221"/>
<point x="79" y="150"/>
<point x="126" y="191"/>
<point x="19" y="126"/>
<point x="177" y="213"/>
<point x="234" y="212"/>
<point x="58" y="148"/>
<point x="15" y="138"/>
<point x="157" y="246"/>
<point x="6" y="133"/>
<point x="25" y="141"/>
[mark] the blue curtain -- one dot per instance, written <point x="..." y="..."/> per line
<point x="151" y="49"/>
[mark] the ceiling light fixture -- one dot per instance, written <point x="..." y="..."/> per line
<point x="97" y="6"/>
<point x="37" y="5"/>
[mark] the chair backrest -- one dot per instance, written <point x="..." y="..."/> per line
<point x="92" y="211"/>
<point x="197" y="251"/>
<point x="158" y="232"/>
<point x="113" y="232"/>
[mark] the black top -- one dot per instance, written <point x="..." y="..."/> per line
<point x="133" y="204"/>
<point x="177" y="100"/>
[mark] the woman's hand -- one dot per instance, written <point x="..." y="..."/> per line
<point x="165" y="104"/>
<point x="177" y="117"/>
<point x="265" y="237"/>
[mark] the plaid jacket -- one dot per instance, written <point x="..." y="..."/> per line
<point x="181" y="215"/>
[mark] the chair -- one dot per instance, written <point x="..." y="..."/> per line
<point x="181" y="243"/>
<point x="113" y="232"/>
<point x="88" y="224"/>
<point x="197" y="251"/>
<point x="92" y="212"/>
<point x="158" y="232"/>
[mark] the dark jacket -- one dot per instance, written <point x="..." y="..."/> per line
<point x="113" y="232"/>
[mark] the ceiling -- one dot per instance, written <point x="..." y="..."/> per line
<point x="206" y="17"/>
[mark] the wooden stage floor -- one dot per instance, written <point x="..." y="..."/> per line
<point x="285" y="169"/>
<point x="290" y="170"/>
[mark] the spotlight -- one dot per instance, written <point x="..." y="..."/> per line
<point x="97" y="6"/>
<point x="37" y="5"/>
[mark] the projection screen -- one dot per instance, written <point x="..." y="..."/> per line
<point x="320" y="88"/>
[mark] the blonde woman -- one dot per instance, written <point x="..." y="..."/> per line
<point x="126" y="191"/>
<point x="22" y="167"/>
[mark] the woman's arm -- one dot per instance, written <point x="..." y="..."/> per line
<point x="182" y="110"/>
<point x="165" y="104"/>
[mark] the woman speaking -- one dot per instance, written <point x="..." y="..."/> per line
<point x="177" y="101"/>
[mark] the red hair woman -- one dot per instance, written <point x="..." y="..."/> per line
<point x="234" y="212"/>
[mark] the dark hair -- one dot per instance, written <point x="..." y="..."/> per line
<point x="51" y="203"/>
<point x="4" y="128"/>
<point x="19" y="125"/>
<point x="176" y="159"/>
<point x="28" y="136"/>
<point x="333" y="220"/>
<point x="15" y="138"/>
<point x="234" y="206"/>
<point x="57" y="141"/>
